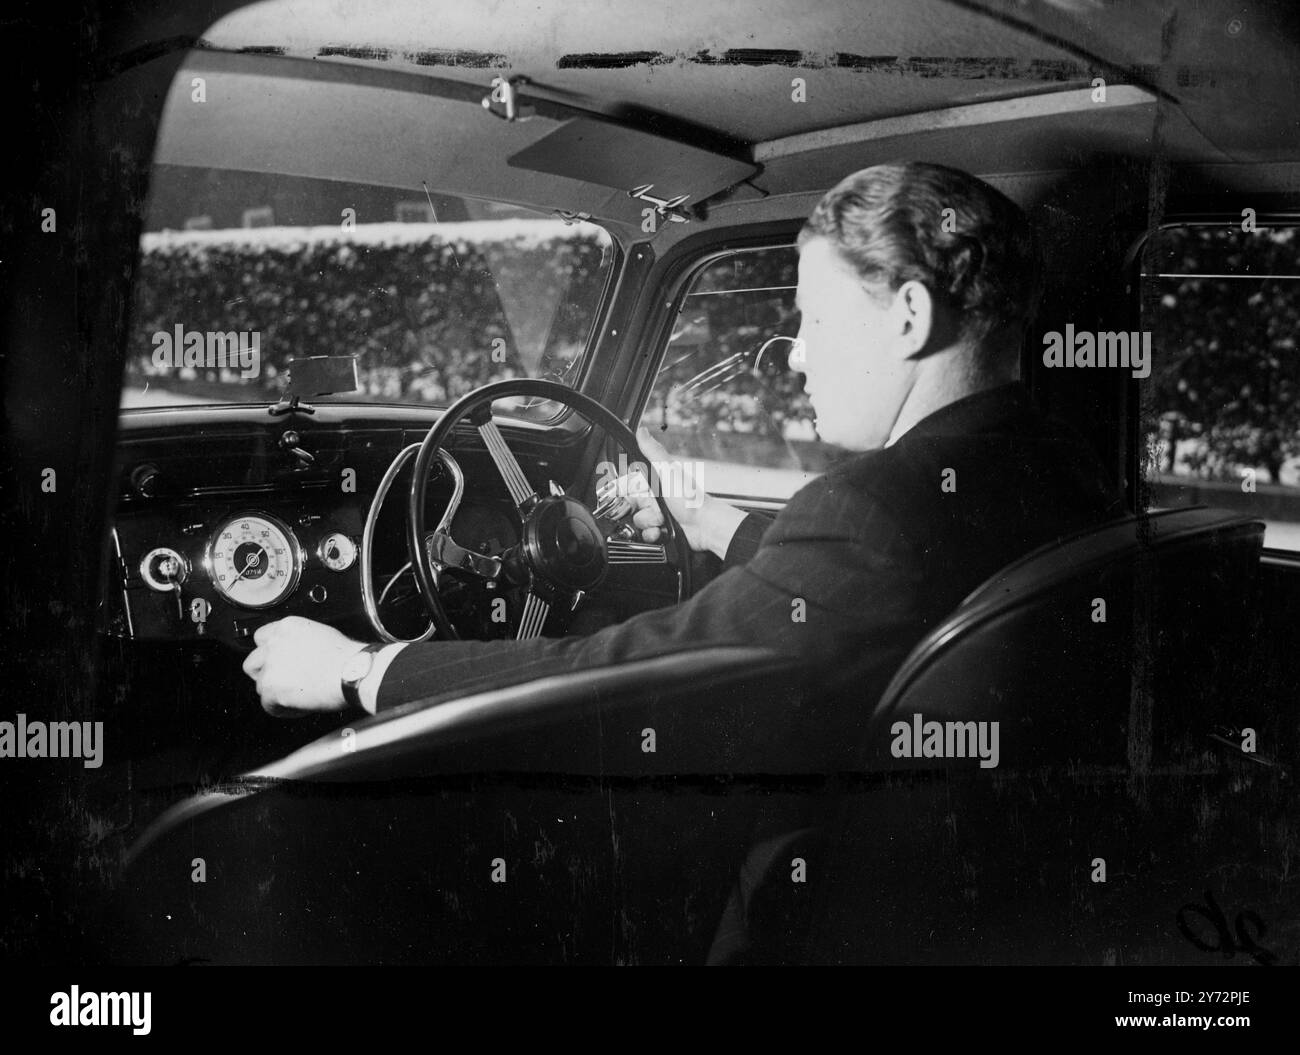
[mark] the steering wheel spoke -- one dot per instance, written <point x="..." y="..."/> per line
<point x="533" y="618"/>
<point x="507" y="464"/>
<point x="631" y="551"/>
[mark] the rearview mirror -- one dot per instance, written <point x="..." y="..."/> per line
<point x="322" y="375"/>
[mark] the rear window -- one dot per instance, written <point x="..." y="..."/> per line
<point x="1221" y="411"/>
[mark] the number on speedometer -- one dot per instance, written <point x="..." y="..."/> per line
<point x="254" y="560"/>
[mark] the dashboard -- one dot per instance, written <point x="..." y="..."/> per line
<point x="228" y="518"/>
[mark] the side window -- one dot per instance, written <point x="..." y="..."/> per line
<point x="1222" y="416"/>
<point x="729" y="394"/>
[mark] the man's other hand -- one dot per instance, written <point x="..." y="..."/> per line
<point x="708" y="522"/>
<point x="298" y="665"/>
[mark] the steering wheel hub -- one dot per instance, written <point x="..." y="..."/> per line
<point x="564" y="545"/>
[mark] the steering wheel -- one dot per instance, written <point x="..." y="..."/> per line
<point x="563" y="554"/>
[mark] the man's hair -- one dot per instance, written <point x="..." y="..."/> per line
<point x="967" y="243"/>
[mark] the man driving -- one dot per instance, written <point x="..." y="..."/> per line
<point x="916" y="285"/>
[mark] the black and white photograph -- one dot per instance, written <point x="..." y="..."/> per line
<point x="624" y="483"/>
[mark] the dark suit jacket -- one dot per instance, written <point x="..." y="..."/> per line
<point x="855" y="569"/>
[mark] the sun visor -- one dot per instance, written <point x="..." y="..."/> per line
<point x="614" y="155"/>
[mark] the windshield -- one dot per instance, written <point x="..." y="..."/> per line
<point x="434" y="295"/>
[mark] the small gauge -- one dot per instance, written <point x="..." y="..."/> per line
<point x="254" y="560"/>
<point x="337" y="552"/>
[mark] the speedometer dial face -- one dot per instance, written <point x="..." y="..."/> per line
<point x="254" y="560"/>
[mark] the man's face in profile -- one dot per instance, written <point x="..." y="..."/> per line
<point x="856" y="367"/>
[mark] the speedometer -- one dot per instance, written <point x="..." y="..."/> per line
<point x="254" y="560"/>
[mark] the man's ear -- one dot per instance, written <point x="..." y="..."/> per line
<point x="914" y="314"/>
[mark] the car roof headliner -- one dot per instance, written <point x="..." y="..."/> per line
<point x="711" y="61"/>
<point x="1211" y="82"/>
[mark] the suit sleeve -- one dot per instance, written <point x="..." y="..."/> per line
<point x="828" y="576"/>
<point x="747" y="539"/>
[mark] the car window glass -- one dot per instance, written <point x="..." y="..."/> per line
<point x="1221" y="411"/>
<point x="728" y="393"/>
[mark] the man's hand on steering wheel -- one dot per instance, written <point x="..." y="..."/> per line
<point x="708" y="522"/>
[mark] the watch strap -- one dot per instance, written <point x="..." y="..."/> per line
<point x="351" y="686"/>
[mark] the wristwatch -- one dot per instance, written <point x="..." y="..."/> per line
<point x="354" y="672"/>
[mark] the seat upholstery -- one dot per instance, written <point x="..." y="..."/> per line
<point x="1097" y="648"/>
<point x="1116" y="767"/>
<point x="378" y="843"/>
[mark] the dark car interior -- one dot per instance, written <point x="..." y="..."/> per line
<point x="373" y="840"/>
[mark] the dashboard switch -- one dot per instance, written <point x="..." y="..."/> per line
<point x="244" y="628"/>
<point x="318" y="593"/>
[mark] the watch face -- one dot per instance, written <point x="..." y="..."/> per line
<point x="358" y="666"/>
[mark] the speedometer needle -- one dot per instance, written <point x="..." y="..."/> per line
<point x="251" y="561"/>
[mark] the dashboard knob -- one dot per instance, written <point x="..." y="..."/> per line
<point x="147" y="481"/>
